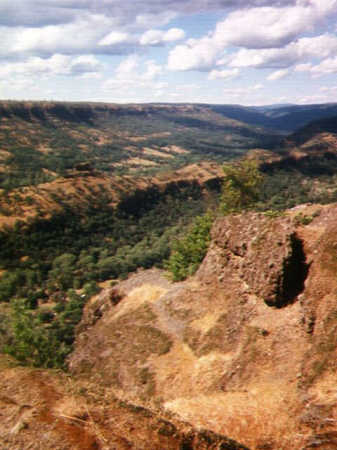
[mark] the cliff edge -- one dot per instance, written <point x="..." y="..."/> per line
<point x="245" y="348"/>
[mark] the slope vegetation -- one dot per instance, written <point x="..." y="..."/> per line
<point x="41" y="141"/>
<point x="45" y="411"/>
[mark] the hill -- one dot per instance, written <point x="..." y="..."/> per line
<point x="311" y="150"/>
<point x="293" y="117"/>
<point x="41" y="141"/>
<point x="246" y="347"/>
<point x="94" y="194"/>
<point x="283" y="119"/>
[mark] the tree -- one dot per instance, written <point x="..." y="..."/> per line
<point x="189" y="251"/>
<point x="241" y="186"/>
<point x="34" y="343"/>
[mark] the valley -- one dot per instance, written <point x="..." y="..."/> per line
<point x="239" y="353"/>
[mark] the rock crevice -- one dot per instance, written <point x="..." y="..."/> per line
<point x="292" y="276"/>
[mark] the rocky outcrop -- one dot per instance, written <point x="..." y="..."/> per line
<point x="266" y="254"/>
<point x="246" y="347"/>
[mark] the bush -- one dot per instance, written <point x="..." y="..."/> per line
<point x="241" y="186"/>
<point x="34" y="343"/>
<point x="188" y="252"/>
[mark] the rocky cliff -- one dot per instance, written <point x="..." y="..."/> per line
<point x="245" y="348"/>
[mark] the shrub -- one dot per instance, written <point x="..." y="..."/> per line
<point x="241" y="186"/>
<point x="188" y="252"/>
<point x="33" y="343"/>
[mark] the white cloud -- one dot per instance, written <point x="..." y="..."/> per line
<point x="79" y="37"/>
<point x="157" y="37"/>
<point x="115" y="37"/>
<point x="153" y="70"/>
<point x="152" y="37"/>
<point x="223" y="74"/>
<point x="332" y="89"/>
<point x="199" y="54"/>
<point x="85" y="64"/>
<point x="55" y="65"/>
<point x="147" y="20"/>
<point x="132" y="72"/>
<point x="47" y="39"/>
<point x="264" y="27"/>
<point x="261" y="33"/>
<point x="127" y="68"/>
<point x="148" y="12"/>
<point x="298" y="52"/>
<point x="311" y="99"/>
<point x="303" y="67"/>
<point x="326" y="67"/>
<point x="278" y="75"/>
<point x="174" y="34"/>
<point x="244" y="91"/>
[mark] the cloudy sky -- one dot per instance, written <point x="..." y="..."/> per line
<point x="249" y="52"/>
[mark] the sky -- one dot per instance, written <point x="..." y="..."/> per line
<point x="248" y="52"/>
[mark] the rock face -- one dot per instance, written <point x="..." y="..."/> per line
<point x="245" y="348"/>
<point x="266" y="254"/>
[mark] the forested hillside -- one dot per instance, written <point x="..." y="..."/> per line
<point x="41" y="141"/>
<point x="93" y="192"/>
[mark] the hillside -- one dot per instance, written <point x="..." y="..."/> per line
<point x="311" y="150"/>
<point x="284" y="119"/>
<point x="41" y="141"/>
<point x="246" y="347"/>
<point x="45" y="410"/>
<point x="292" y="117"/>
<point x="86" y="188"/>
<point x="93" y="198"/>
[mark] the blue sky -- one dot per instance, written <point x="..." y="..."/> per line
<point x="252" y="52"/>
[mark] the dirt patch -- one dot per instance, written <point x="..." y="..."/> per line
<point x="176" y="149"/>
<point x="140" y="162"/>
<point x="47" y="410"/>
<point x="153" y="152"/>
<point x="148" y="136"/>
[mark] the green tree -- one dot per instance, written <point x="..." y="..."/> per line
<point x="241" y="186"/>
<point x="61" y="276"/>
<point x="188" y="252"/>
<point x="33" y="343"/>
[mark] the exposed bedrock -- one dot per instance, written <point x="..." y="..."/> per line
<point x="265" y="253"/>
<point x="246" y="348"/>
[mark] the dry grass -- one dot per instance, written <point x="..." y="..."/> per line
<point x="144" y="294"/>
<point x="324" y="390"/>
<point x="174" y="375"/>
<point x="72" y="408"/>
<point x="138" y="162"/>
<point x="147" y="136"/>
<point x="205" y="323"/>
<point x="176" y="149"/>
<point x="264" y="414"/>
<point x="153" y="152"/>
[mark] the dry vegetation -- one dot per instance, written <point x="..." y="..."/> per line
<point x="234" y="365"/>
<point x="46" y="410"/>
<point x="80" y="188"/>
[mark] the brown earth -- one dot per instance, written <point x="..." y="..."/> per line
<point x="44" y="410"/>
<point x="245" y="348"/>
